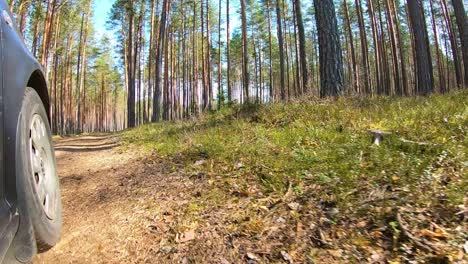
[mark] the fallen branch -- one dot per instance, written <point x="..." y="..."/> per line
<point x="417" y="241"/>
<point x="416" y="142"/>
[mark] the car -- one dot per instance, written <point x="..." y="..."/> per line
<point x="30" y="205"/>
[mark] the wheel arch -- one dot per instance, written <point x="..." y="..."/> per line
<point x="39" y="84"/>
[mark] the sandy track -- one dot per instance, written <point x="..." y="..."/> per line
<point x="111" y="200"/>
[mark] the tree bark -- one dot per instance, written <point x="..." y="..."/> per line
<point x="462" y="23"/>
<point x="425" y="79"/>
<point x="331" y="64"/>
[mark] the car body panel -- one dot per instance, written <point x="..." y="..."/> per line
<point x="18" y="70"/>
<point x="5" y="213"/>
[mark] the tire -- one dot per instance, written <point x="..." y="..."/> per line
<point x="37" y="181"/>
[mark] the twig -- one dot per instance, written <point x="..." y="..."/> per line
<point x="406" y="232"/>
<point x="416" y="142"/>
<point x="288" y="193"/>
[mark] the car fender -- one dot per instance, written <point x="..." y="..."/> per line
<point x="19" y="70"/>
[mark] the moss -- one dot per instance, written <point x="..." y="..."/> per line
<point x="326" y="143"/>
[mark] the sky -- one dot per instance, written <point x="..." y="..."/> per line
<point x="101" y="12"/>
<point x="103" y="7"/>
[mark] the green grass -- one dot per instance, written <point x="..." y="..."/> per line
<point x="324" y="151"/>
<point x="326" y="142"/>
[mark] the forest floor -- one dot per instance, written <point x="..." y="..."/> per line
<point x="287" y="183"/>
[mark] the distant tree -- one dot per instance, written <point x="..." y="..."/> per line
<point x="281" y="49"/>
<point x="159" y="59"/>
<point x="245" y="52"/>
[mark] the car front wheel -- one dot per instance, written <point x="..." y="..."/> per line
<point x="38" y="183"/>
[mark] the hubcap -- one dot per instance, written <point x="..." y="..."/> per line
<point x="43" y="167"/>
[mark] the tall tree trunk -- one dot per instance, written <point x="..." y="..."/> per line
<point x="228" y="51"/>
<point x="159" y="59"/>
<point x="150" y="59"/>
<point x="272" y="96"/>
<point x="81" y="62"/>
<point x="364" y="48"/>
<point x="440" y="69"/>
<point x="453" y="43"/>
<point x="130" y="72"/>
<point x="404" y="76"/>
<point x="394" y="46"/>
<point x="220" y="86"/>
<point x="462" y="23"/>
<point x="351" y="41"/>
<point x="23" y="12"/>
<point x="203" y="64"/>
<point x="281" y="49"/>
<point x="331" y="64"/>
<point x="386" y="82"/>
<point x="208" y="56"/>
<point x="378" y="82"/>
<point x="245" y="52"/>
<point x="302" y="49"/>
<point x="421" y="41"/>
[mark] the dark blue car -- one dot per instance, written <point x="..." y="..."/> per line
<point x="30" y="207"/>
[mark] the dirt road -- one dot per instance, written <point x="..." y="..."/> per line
<point x="121" y="207"/>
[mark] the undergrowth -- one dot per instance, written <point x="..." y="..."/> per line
<point x="322" y="150"/>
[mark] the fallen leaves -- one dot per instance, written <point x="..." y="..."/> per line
<point x="436" y="233"/>
<point x="186" y="236"/>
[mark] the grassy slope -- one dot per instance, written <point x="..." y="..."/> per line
<point x="313" y="164"/>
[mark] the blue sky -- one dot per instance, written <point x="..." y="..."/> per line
<point x="101" y="12"/>
<point x="103" y="7"/>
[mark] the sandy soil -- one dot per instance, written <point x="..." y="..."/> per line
<point x="121" y="207"/>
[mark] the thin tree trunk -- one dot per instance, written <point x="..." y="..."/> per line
<point x="351" y="41"/>
<point x="228" y="51"/>
<point x="272" y="96"/>
<point x="220" y="87"/>
<point x="440" y="69"/>
<point x="364" y="48"/>
<point x="281" y="49"/>
<point x="245" y="52"/>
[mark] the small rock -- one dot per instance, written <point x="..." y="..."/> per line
<point x="286" y="257"/>
<point x="184" y="261"/>
<point x="333" y="212"/>
<point x="200" y="162"/>
<point x="280" y="220"/>
<point x="239" y="165"/>
<point x="165" y="249"/>
<point x="252" y="256"/>
<point x="294" y="206"/>
<point x="187" y="236"/>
